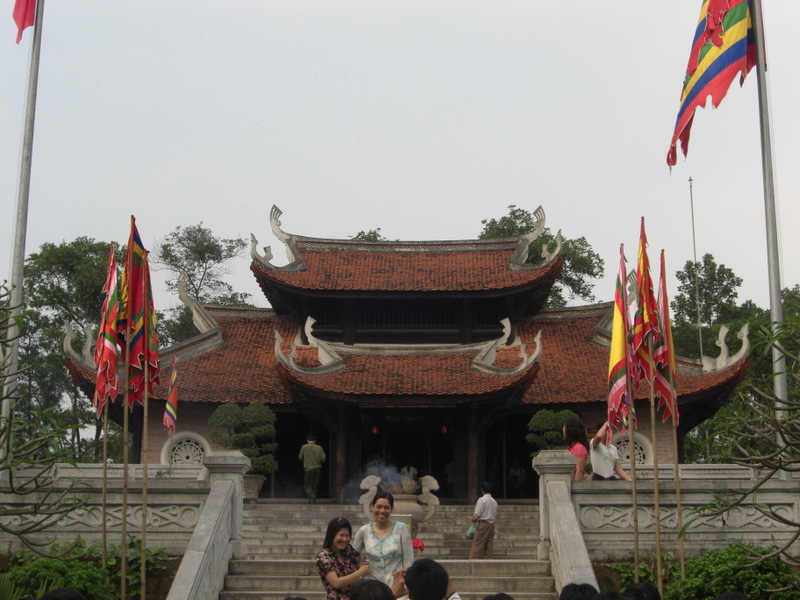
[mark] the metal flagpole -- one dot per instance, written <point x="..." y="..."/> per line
<point x="21" y="225"/>
<point x="768" y="174"/>
<point x="696" y="271"/>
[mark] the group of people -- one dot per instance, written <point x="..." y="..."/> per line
<point x="635" y="591"/>
<point x="603" y="456"/>
<point x="381" y="553"/>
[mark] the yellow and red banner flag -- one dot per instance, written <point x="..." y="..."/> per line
<point x="620" y="359"/>
<point x="106" y="355"/>
<point x="645" y="324"/>
<point x="170" y="420"/>
<point x="665" y="384"/>
<point x="723" y="47"/>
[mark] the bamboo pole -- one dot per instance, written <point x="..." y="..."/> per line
<point x="678" y="503"/>
<point x="104" y="495"/>
<point x="145" y="448"/>
<point x="656" y="494"/>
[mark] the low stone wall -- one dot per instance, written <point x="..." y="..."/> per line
<point x="604" y="509"/>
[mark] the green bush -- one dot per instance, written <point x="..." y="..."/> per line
<point x="86" y="577"/>
<point x="545" y="429"/>
<point x="729" y="569"/>
<point x="250" y="429"/>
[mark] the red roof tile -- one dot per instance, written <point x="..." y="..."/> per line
<point x="406" y="267"/>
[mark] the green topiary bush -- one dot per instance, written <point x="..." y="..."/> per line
<point x="545" y="429"/>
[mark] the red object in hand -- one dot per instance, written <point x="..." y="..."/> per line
<point x="418" y="545"/>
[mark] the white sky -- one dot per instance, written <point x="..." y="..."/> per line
<point x="418" y="117"/>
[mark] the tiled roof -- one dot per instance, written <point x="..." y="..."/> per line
<point x="574" y="368"/>
<point x="405" y="267"/>
<point x="417" y="374"/>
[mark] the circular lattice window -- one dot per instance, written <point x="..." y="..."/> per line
<point x="640" y="451"/>
<point x="187" y="452"/>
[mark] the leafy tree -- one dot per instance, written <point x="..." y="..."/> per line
<point x="31" y="446"/>
<point x="582" y="265"/>
<point x="718" y="288"/>
<point x="203" y="259"/>
<point x="371" y="235"/>
<point x="63" y="284"/>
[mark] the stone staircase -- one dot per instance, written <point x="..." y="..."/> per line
<point x="283" y="541"/>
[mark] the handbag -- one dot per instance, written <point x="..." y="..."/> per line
<point x="470" y="532"/>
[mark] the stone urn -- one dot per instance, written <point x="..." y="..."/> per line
<point x="251" y="486"/>
<point x="411" y="509"/>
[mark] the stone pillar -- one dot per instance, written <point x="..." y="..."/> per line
<point x="551" y="465"/>
<point x="230" y="465"/>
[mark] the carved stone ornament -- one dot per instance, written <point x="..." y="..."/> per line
<point x="724" y="359"/>
<point x="520" y="256"/>
<point x="484" y="362"/>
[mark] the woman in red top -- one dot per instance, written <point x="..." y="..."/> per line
<point x="577" y="444"/>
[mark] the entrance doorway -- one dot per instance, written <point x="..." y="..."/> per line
<point x="424" y="442"/>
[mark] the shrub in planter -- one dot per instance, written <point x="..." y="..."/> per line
<point x="250" y="429"/>
<point x="545" y="429"/>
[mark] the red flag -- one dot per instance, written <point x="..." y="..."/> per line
<point x="24" y="15"/>
<point x="171" y="409"/>
<point x="620" y="358"/>
<point x="664" y="355"/>
<point x="645" y="324"/>
<point x="137" y="319"/>
<point x="105" y="350"/>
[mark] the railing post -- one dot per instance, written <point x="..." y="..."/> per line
<point x="551" y="465"/>
<point x="231" y="465"/>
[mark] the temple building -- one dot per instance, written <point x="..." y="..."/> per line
<point x="434" y="354"/>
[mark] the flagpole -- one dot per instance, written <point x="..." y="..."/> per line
<point x="145" y="448"/>
<point x="104" y="501"/>
<point x="656" y="491"/>
<point x="696" y="270"/>
<point x="768" y="173"/>
<point x="21" y="225"/>
<point x="634" y="493"/>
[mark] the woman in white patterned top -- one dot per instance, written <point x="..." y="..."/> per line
<point x="386" y="544"/>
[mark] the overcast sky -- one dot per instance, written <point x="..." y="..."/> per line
<point x="418" y="117"/>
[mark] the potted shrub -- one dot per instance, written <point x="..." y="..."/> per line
<point x="250" y="429"/>
<point x="545" y="429"/>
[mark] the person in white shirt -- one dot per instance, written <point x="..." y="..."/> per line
<point x="605" y="458"/>
<point x="484" y="517"/>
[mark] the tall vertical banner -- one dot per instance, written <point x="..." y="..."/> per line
<point x="619" y="362"/>
<point x="645" y="323"/>
<point x="666" y="366"/>
<point x="137" y="320"/>
<point x="170" y="419"/>
<point x="724" y="46"/>
<point x="106" y="356"/>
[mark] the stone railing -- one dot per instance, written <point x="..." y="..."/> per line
<point x="603" y="511"/>
<point x="193" y="511"/>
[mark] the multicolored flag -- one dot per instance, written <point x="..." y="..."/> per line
<point x="136" y="325"/>
<point x="645" y="322"/>
<point x="105" y="350"/>
<point x="723" y="47"/>
<point x="171" y="409"/>
<point x="664" y="355"/>
<point x="620" y="359"/>
<point x="24" y="15"/>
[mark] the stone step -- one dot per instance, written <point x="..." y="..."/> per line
<point x="456" y="568"/>
<point x="300" y="586"/>
<point x="282" y="594"/>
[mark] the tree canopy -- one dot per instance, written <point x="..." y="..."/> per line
<point x="582" y="265"/>
<point x="203" y="258"/>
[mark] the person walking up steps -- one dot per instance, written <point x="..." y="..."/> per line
<point x="312" y="456"/>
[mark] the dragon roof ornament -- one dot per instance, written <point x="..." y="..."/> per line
<point x="520" y="256"/>
<point x="200" y="318"/>
<point x="292" y="254"/>
<point x="725" y="359"/>
<point x="484" y="361"/>
<point x="330" y="361"/>
<point x="86" y="356"/>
